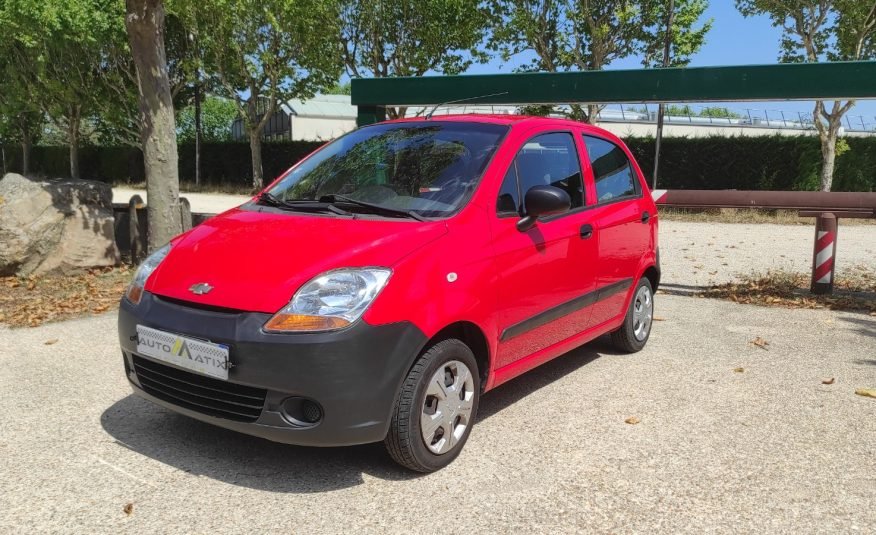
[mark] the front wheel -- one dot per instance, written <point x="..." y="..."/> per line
<point x="436" y="408"/>
<point x="633" y="334"/>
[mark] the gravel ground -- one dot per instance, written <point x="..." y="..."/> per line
<point x="207" y="203"/>
<point x="702" y="254"/>
<point x="770" y="449"/>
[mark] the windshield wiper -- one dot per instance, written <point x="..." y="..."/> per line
<point x="376" y="207"/>
<point x="272" y="200"/>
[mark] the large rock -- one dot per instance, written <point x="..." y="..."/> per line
<point x="61" y="226"/>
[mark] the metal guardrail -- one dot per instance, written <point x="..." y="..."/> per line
<point x="826" y="207"/>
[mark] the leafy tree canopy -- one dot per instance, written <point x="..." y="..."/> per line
<point x="217" y="115"/>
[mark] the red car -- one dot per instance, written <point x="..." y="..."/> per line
<point x="378" y="288"/>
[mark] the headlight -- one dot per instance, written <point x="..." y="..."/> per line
<point x="331" y="300"/>
<point x="135" y="290"/>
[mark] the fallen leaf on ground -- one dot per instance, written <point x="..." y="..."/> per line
<point x="632" y="420"/>
<point x="32" y="301"/>
<point x="128" y="509"/>
<point x="51" y="342"/>
<point x="866" y="392"/>
<point x="760" y="342"/>
<point x="739" y="370"/>
<point x="828" y="381"/>
<point x="659" y="318"/>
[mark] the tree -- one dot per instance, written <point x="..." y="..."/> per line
<point x="145" y="24"/>
<point x="59" y="51"/>
<point x="20" y="119"/>
<point x="822" y="30"/>
<point x="340" y="89"/>
<point x="572" y="35"/>
<point x="217" y="116"/>
<point x="384" y="38"/>
<point x="265" y="52"/>
<point x="686" y="37"/>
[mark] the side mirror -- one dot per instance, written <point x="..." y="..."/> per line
<point x="543" y="200"/>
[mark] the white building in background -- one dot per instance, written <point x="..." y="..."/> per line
<point x="321" y="118"/>
<point x="326" y="117"/>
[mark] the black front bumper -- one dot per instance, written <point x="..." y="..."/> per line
<point x="354" y="374"/>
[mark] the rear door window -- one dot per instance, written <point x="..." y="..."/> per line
<point x="612" y="170"/>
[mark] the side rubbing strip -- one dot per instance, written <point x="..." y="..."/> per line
<point x="564" y="309"/>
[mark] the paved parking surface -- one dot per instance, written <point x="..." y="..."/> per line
<point x="768" y="449"/>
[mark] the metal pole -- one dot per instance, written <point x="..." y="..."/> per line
<point x="667" y="49"/>
<point x="824" y="254"/>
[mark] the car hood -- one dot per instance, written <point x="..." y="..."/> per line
<point x="256" y="261"/>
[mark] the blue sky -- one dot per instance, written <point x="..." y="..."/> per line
<point x="733" y="40"/>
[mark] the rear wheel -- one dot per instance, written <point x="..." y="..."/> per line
<point x="436" y="408"/>
<point x="633" y="334"/>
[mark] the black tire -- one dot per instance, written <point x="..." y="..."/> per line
<point x="404" y="442"/>
<point x="624" y="339"/>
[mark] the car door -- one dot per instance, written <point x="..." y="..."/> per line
<point x="621" y="219"/>
<point x="546" y="274"/>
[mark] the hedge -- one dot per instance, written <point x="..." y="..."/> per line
<point x="221" y="163"/>
<point x="773" y="162"/>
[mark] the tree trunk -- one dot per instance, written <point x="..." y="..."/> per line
<point x="73" y="141"/>
<point x="198" y="131"/>
<point x="145" y="23"/>
<point x="26" y="146"/>
<point x="24" y="128"/>
<point x="255" y="146"/>
<point x="592" y="113"/>
<point x="828" y="157"/>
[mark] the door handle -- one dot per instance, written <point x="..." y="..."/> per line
<point x="645" y="217"/>
<point x="586" y="231"/>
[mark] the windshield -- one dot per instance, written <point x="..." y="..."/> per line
<point x="426" y="167"/>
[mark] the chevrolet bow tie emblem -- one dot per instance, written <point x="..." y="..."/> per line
<point x="201" y="288"/>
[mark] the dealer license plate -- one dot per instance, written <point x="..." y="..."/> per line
<point x="196" y="355"/>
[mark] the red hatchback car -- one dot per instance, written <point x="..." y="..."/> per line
<point x="379" y="287"/>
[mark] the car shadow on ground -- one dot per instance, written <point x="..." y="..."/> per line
<point x="204" y="450"/>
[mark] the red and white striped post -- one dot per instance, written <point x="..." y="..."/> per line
<point x="824" y="254"/>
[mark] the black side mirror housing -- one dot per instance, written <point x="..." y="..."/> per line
<point x="543" y="200"/>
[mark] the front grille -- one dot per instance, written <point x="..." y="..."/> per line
<point x="200" y="393"/>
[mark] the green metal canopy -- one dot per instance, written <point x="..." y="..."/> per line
<point x="789" y="81"/>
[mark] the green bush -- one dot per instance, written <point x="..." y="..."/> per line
<point x="764" y="163"/>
